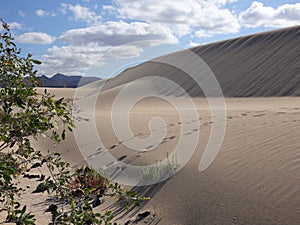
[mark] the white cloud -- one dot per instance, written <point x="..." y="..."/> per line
<point x="70" y="60"/>
<point x="75" y="60"/>
<point x="123" y="52"/>
<point x="222" y="2"/>
<point x="182" y="17"/>
<point x="202" y="34"/>
<point x="119" y="33"/>
<point x="40" y="12"/>
<point x="21" y="13"/>
<point x="35" y="38"/>
<point x="193" y="44"/>
<point x="13" y="25"/>
<point x="260" y="15"/>
<point x="81" y="13"/>
<point x="95" y="44"/>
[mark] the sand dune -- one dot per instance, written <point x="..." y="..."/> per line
<point x="255" y="177"/>
<point x="259" y="65"/>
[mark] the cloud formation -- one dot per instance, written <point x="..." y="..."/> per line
<point x="35" y="38"/>
<point x="81" y="13"/>
<point x="40" y="12"/>
<point x="21" y="13"/>
<point x="13" y="25"/>
<point x="75" y="60"/>
<point x="259" y="15"/>
<point x="119" y="33"/>
<point x="95" y="44"/>
<point x="181" y="17"/>
<point x="43" y="13"/>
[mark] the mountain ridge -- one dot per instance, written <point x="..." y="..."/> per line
<point x="59" y="80"/>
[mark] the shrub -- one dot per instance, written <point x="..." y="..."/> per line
<point x="24" y="114"/>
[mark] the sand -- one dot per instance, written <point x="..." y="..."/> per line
<point x="253" y="180"/>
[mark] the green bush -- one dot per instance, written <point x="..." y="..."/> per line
<point x="24" y="114"/>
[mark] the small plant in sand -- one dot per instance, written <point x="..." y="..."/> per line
<point x="160" y="170"/>
<point x="24" y="115"/>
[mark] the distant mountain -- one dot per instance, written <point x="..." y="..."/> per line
<point x="60" y="80"/>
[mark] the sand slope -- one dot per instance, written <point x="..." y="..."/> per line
<point x="260" y="65"/>
<point x="255" y="178"/>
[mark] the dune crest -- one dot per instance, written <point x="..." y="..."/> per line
<point x="259" y="65"/>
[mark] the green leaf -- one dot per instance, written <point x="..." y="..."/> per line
<point x="36" y="61"/>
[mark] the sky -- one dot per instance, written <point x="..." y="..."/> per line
<point x="101" y="38"/>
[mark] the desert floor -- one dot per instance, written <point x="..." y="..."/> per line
<point x="255" y="178"/>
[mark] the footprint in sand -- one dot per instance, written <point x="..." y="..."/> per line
<point x="113" y="146"/>
<point x="149" y="147"/>
<point x="122" y="158"/>
<point x="168" y="139"/>
<point x="280" y="113"/>
<point x="171" y="138"/>
<point x="110" y="164"/>
<point x="95" y="154"/>
<point x="259" y="115"/>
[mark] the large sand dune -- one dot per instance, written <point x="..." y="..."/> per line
<point x="259" y="65"/>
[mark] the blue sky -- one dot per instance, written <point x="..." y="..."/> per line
<point x="99" y="38"/>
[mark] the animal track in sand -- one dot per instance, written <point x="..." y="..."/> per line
<point x="94" y="155"/>
<point x="149" y="147"/>
<point x="207" y="123"/>
<point x="110" y="164"/>
<point x="122" y="158"/>
<point x="113" y="146"/>
<point x="259" y="115"/>
<point x="169" y="138"/>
